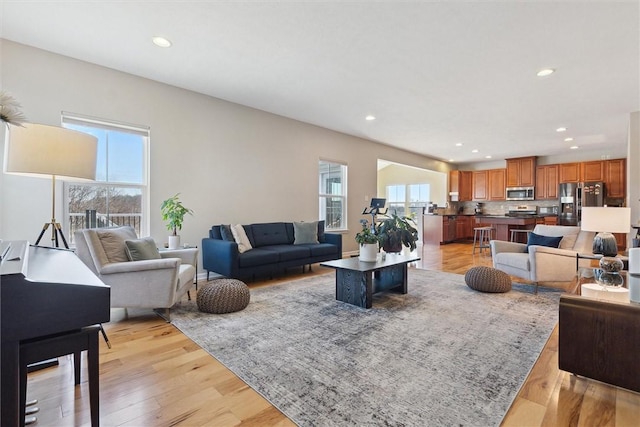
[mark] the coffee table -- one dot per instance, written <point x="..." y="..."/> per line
<point x="357" y="281"/>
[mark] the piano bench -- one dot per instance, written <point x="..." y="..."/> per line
<point x="47" y="347"/>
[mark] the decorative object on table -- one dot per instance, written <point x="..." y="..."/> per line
<point x="395" y="232"/>
<point x="604" y="221"/>
<point x="487" y="279"/>
<point x="49" y="151"/>
<point x="173" y="213"/>
<point x="223" y="296"/>
<point x="609" y="272"/>
<point x="10" y="112"/>
<point x="368" y="242"/>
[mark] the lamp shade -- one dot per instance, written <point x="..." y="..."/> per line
<point x="39" y="150"/>
<point x="612" y="220"/>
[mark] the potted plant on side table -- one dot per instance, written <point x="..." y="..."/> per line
<point x="395" y="232"/>
<point x="368" y="242"/>
<point x="173" y="213"/>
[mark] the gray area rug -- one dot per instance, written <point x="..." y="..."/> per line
<point x="441" y="355"/>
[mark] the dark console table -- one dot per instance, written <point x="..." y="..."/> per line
<point x="357" y="281"/>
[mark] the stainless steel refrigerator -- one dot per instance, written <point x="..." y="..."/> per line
<point x="573" y="196"/>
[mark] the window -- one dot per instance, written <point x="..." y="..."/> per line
<point x="333" y="194"/>
<point x="408" y="199"/>
<point x="396" y="198"/>
<point x="119" y="195"/>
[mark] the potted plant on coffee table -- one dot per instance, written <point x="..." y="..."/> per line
<point x="368" y="242"/>
<point x="173" y="213"/>
<point x="395" y="232"/>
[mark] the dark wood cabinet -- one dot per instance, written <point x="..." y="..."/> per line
<point x="569" y="172"/>
<point x="592" y="171"/>
<point x="497" y="188"/>
<point x="521" y="172"/>
<point x="615" y="178"/>
<point x="547" y="182"/>
<point x="461" y="182"/>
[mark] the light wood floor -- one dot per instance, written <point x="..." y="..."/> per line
<point x="155" y="376"/>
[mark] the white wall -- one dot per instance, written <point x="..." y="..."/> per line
<point x="633" y="169"/>
<point x="231" y="164"/>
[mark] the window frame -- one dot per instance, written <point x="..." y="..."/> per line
<point x="143" y="187"/>
<point x="326" y="196"/>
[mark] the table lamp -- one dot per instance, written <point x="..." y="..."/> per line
<point x="49" y="151"/>
<point x="604" y="221"/>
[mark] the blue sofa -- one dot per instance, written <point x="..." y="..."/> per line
<point x="273" y="250"/>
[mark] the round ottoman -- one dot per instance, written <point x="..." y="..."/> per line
<point x="487" y="279"/>
<point x="223" y="296"/>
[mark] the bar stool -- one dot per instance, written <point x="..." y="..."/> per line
<point x="517" y="232"/>
<point x="482" y="235"/>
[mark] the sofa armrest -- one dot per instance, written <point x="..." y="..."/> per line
<point x="334" y="239"/>
<point x="552" y="264"/>
<point x="220" y="256"/>
<point x="146" y="265"/>
<point x="498" y="246"/>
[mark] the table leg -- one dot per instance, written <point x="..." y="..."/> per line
<point x="354" y="287"/>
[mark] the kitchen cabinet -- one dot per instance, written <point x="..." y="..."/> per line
<point x="569" y="172"/>
<point x="592" y="171"/>
<point x="497" y="188"/>
<point x="461" y="182"/>
<point x="521" y="172"/>
<point x="480" y="185"/>
<point x="464" y="227"/>
<point x="547" y="182"/>
<point x="615" y="178"/>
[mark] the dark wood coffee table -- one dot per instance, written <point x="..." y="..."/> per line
<point x="357" y="281"/>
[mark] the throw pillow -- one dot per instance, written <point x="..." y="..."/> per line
<point x="225" y="232"/>
<point x="112" y="241"/>
<point x="240" y="236"/>
<point x="321" y="238"/>
<point x="538" y="240"/>
<point x="141" y="249"/>
<point x="305" y="233"/>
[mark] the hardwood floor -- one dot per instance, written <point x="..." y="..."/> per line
<point x="154" y="376"/>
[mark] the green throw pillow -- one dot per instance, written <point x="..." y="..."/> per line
<point x="141" y="249"/>
<point x="305" y="233"/>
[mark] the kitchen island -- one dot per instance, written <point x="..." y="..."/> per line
<point x="504" y="224"/>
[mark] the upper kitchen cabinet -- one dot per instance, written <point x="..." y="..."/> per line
<point x="592" y="171"/>
<point x="497" y="190"/>
<point x="480" y="185"/>
<point x="547" y="182"/>
<point x="569" y="172"/>
<point x="521" y="172"/>
<point x="615" y="178"/>
<point x="461" y="182"/>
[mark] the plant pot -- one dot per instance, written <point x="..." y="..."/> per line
<point x="174" y="242"/>
<point x="368" y="252"/>
<point x="390" y="249"/>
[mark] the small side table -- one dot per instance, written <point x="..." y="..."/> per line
<point x="608" y="293"/>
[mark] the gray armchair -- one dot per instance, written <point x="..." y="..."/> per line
<point x="151" y="283"/>
<point x="541" y="263"/>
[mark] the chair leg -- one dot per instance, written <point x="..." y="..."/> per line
<point x="165" y="313"/>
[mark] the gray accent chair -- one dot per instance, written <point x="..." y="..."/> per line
<point x="153" y="283"/>
<point x="541" y="263"/>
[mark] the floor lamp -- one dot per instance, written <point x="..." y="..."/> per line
<point x="50" y="151"/>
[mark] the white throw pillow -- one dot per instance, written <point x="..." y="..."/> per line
<point x="241" y="238"/>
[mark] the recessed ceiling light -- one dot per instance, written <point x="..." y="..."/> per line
<point x="561" y="130"/>
<point x="451" y="160"/>
<point x="459" y="144"/>
<point x="370" y="117"/>
<point x="545" y="72"/>
<point x="568" y="139"/>
<point x="574" y="147"/>
<point x="487" y="157"/>
<point x="161" y="41"/>
<point x="474" y="151"/>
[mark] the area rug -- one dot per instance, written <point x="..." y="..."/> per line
<point x="443" y="354"/>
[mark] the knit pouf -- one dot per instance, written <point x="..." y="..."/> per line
<point x="223" y="296"/>
<point x="487" y="279"/>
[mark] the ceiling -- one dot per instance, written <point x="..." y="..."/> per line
<point x="434" y="74"/>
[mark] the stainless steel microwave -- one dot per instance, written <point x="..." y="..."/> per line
<point x="520" y="193"/>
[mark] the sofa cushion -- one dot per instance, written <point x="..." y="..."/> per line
<point x="321" y="238"/>
<point x="112" y="241"/>
<point x="226" y="233"/>
<point x="141" y="249"/>
<point x="288" y="252"/>
<point x="518" y="260"/>
<point x="257" y="256"/>
<point x="538" y="240"/>
<point x="305" y="233"/>
<point x="273" y="233"/>
<point x="240" y="236"/>
<point x="569" y="233"/>
<point x="321" y="249"/>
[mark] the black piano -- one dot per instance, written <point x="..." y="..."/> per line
<point x="44" y="292"/>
